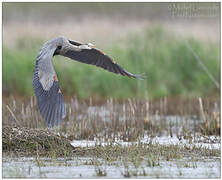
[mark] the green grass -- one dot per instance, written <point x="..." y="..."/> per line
<point x="170" y="68"/>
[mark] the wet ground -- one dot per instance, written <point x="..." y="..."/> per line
<point x="173" y="146"/>
<point x="88" y="167"/>
<point x="76" y="168"/>
<point x="93" y="167"/>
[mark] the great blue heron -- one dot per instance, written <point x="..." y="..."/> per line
<point x="49" y="97"/>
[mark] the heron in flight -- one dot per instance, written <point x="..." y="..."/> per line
<point x="46" y="86"/>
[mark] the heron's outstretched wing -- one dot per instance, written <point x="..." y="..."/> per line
<point x="96" y="57"/>
<point x="49" y="97"/>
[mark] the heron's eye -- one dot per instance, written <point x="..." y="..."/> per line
<point x="59" y="47"/>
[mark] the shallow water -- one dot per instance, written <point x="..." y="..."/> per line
<point x="78" y="168"/>
<point x="88" y="167"/>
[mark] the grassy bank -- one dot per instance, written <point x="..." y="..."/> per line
<point x="26" y="141"/>
<point x="170" y="67"/>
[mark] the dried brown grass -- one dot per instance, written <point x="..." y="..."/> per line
<point x="122" y="119"/>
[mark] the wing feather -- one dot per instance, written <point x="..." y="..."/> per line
<point x="48" y="116"/>
<point x="49" y="100"/>
<point x="56" y="115"/>
<point x="94" y="56"/>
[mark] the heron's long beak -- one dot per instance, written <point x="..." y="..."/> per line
<point x="91" y="45"/>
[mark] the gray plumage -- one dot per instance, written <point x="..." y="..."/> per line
<point x="49" y="97"/>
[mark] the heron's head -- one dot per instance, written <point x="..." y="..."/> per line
<point x="60" y="42"/>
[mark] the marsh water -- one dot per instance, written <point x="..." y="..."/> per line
<point x="97" y="125"/>
<point x="92" y="167"/>
<point x="78" y="168"/>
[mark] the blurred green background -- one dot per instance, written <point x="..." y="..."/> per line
<point x="147" y="38"/>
